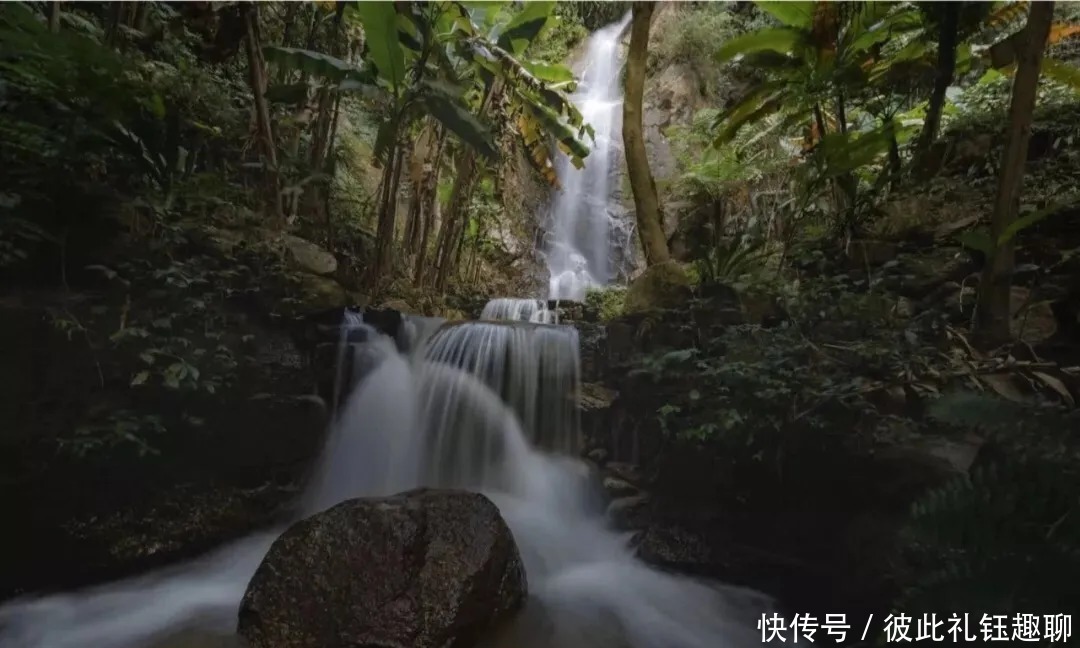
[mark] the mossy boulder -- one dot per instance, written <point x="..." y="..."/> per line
<point x="664" y="285"/>
<point x="313" y="293"/>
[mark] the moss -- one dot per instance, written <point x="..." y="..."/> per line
<point x="664" y="285"/>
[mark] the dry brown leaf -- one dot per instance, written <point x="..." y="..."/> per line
<point x="1004" y="386"/>
<point x="1056" y="385"/>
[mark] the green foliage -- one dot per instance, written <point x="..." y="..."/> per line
<point x="607" y="302"/>
<point x="1004" y="540"/>
<point x="692" y="33"/>
<point x="727" y="260"/>
<point x="596" y="14"/>
<point x="564" y="33"/>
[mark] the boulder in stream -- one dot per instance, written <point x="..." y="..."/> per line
<point x="423" y="569"/>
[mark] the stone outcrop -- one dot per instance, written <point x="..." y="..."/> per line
<point x="424" y="569"/>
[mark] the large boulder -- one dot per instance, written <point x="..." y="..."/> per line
<point x="427" y="568"/>
<point x="309" y="257"/>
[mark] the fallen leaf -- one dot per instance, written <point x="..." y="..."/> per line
<point x="1056" y="385"/>
<point x="1004" y="386"/>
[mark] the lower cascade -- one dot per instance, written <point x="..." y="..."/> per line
<point x="487" y="406"/>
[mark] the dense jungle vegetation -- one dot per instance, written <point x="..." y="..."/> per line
<point x="884" y="192"/>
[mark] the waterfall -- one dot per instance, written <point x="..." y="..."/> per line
<point x="477" y="405"/>
<point x="588" y="240"/>
<point x="519" y="310"/>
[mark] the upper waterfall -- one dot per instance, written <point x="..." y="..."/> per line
<point x="587" y="240"/>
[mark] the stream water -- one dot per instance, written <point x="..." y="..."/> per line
<point x="488" y="406"/>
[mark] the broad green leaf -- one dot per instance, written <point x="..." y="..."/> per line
<point x="315" y="63"/>
<point x="551" y="123"/>
<point x="549" y="73"/>
<point x="779" y="39"/>
<point x="978" y="240"/>
<point x="484" y="11"/>
<point x="381" y="31"/>
<point x="844" y="153"/>
<point x="1034" y="217"/>
<point x="1063" y="73"/>
<point x="792" y="14"/>
<point x="525" y="26"/>
<point x="756" y="113"/>
<point x="748" y="110"/>
<point x="444" y="103"/>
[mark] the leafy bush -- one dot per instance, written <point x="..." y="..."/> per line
<point x="1005" y="539"/>
<point x="691" y="35"/>
<point x="606" y="303"/>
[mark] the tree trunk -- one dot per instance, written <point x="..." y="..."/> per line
<point x="257" y="79"/>
<point x="112" y="31"/>
<point x="948" y="32"/>
<point x="54" y="17"/>
<point x="385" y="236"/>
<point x="453" y="227"/>
<point x="993" y="313"/>
<point x="429" y="207"/>
<point x="650" y="216"/>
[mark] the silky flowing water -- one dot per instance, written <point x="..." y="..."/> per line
<point x="590" y="237"/>
<point x="447" y="412"/>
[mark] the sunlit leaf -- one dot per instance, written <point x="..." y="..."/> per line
<point x="526" y="26"/>
<point x="315" y="63"/>
<point x="444" y="103"/>
<point x="780" y="39"/>
<point x="792" y="14"/>
<point x="549" y="73"/>
<point x="381" y="31"/>
<point x="1063" y="73"/>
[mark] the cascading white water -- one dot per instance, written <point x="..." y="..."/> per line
<point x="534" y="368"/>
<point x="519" y="310"/>
<point x="427" y="419"/>
<point x="585" y="233"/>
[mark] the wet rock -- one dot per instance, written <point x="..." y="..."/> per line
<point x="425" y="569"/>
<point x="598" y="456"/>
<point x="309" y="257"/>
<point x="595" y="407"/>
<point x="314" y="293"/>
<point x="663" y="285"/>
<point x="628" y="513"/>
<point x="399" y="305"/>
<point x="625" y="471"/>
<point x="617" y="488"/>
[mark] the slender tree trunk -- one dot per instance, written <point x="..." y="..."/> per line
<point x="453" y="226"/>
<point x="112" y="31"/>
<point x="650" y="216"/>
<point x="429" y="208"/>
<point x="993" y="313"/>
<point x="54" y="17"/>
<point x="385" y="236"/>
<point x="948" y="32"/>
<point x="257" y="79"/>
